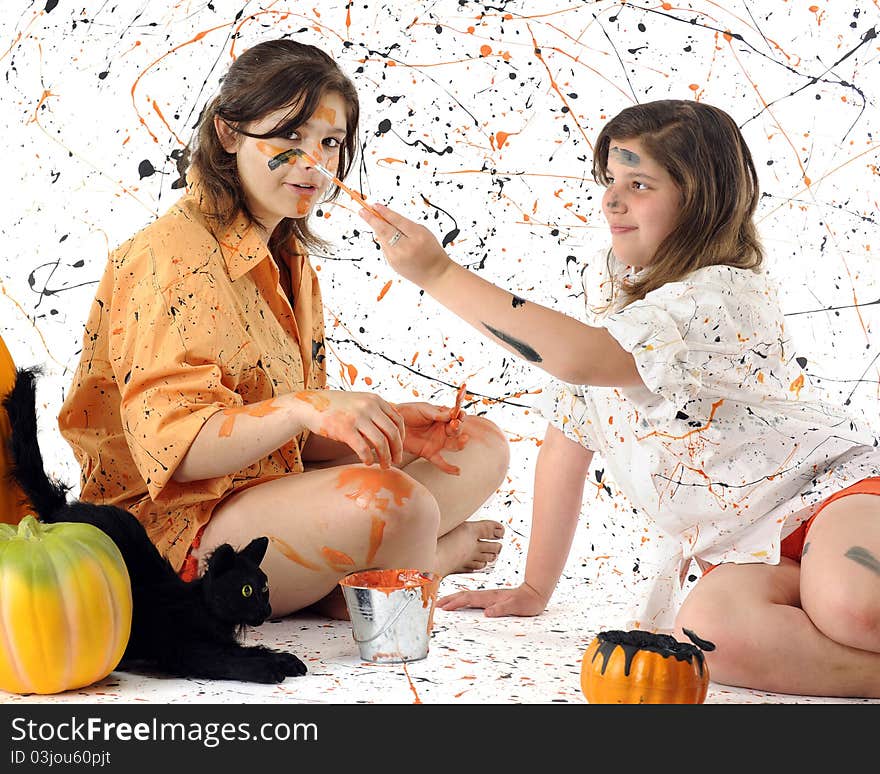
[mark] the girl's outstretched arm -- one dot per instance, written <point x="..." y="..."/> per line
<point x="560" y="345"/>
<point x="560" y="473"/>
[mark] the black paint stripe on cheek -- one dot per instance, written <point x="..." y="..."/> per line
<point x="865" y="558"/>
<point x="520" y="346"/>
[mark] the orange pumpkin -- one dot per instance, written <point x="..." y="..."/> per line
<point x="638" y="667"/>
<point x="13" y="504"/>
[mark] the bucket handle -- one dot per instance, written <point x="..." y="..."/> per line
<point x="390" y="622"/>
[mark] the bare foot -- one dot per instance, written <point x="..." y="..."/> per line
<point x="469" y="547"/>
<point x="331" y="606"/>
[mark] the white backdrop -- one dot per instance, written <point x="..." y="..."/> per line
<point x="488" y="113"/>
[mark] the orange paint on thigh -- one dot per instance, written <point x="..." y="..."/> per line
<point x="377" y="527"/>
<point x="368" y="482"/>
<point x="337" y="560"/>
<point x="289" y="553"/>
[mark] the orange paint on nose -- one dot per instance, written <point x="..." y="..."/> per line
<point x="337" y="559"/>
<point x="324" y="113"/>
<point x="289" y="553"/>
<point x="367" y="483"/>
<point x="320" y="402"/>
<point x="377" y="528"/>
<point x="257" y="410"/>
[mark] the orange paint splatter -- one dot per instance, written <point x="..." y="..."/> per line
<point x="796" y="386"/>
<point x="485" y="50"/>
<point x="412" y="687"/>
<point x="715" y="406"/>
<point x="270" y="150"/>
<point x="261" y="409"/>
<point x="384" y="290"/>
<point x="316" y="399"/>
<point x="287" y="551"/>
<point x="377" y="528"/>
<point x="368" y="482"/>
<point x="325" y="113"/>
<point x="337" y="560"/>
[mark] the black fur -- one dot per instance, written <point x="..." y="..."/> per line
<point x="182" y="629"/>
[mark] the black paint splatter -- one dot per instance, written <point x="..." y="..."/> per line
<point x="145" y="169"/>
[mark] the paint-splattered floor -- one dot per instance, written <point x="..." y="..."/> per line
<point x="472" y="659"/>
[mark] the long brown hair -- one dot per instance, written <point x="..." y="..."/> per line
<point x="267" y="77"/>
<point x="704" y="151"/>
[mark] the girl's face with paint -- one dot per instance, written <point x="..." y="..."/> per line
<point x="641" y="203"/>
<point x="291" y="190"/>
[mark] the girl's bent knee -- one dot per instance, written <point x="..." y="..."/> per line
<point x="852" y="620"/>
<point x="494" y="446"/>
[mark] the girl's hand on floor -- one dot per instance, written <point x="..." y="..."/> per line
<point x="522" y="600"/>
<point x="411" y="249"/>
<point x="431" y="430"/>
<point x="371" y="426"/>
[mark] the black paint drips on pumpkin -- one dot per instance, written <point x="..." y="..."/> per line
<point x="633" y="641"/>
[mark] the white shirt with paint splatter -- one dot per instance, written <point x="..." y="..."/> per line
<point x="723" y="448"/>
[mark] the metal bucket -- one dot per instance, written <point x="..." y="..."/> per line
<point x="392" y="612"/>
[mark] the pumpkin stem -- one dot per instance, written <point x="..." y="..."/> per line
<point x="29" y="528"/>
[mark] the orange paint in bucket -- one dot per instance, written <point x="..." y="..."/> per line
<point x="391" y="612"/>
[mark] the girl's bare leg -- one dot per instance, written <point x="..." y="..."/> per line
<point x="463" y="545"/>
<point x="809" y="629"/>
<point x="328" y="522"/>
<point x="324" y="524"/>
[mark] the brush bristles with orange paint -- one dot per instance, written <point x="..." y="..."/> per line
<point x="284" y="158"/>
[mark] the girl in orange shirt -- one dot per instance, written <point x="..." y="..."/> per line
<point x="200" y="400"/>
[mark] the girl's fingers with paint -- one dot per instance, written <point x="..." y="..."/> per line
<point x="427" y="433"/>
<point x="371" y="426"/>
<point x="520" y="601"/>
<point x="411" y="249"/>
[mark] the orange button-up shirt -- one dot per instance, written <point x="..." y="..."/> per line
<point x="185" y="324"/>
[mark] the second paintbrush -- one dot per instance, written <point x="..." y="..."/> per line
<point x="286" y="156"/>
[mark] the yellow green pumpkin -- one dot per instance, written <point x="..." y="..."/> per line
<point x="65" y="606"/>
<point x="13" y="503"/>
<point x="638" y="667"/>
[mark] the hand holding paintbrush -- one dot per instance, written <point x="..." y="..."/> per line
<point x="286" y="156"/>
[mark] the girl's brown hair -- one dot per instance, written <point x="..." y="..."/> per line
<point x="704" y="151"/>
<point x="267" y="77"/>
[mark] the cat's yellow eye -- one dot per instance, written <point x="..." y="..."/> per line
<point x="247" y="590"/>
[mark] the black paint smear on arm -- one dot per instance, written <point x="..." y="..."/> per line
<point x="521" y="347"/>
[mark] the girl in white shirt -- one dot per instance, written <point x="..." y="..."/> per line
<point x="682" y="384"/>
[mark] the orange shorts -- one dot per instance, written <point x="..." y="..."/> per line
<point x="793" y="544"/>
<point x="189" y="570"/>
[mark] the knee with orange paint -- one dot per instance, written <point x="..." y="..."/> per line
<point x="394" y="501"/>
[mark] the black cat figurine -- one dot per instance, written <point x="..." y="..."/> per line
<point x="182" y="629"/>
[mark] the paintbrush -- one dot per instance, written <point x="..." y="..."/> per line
<point x="286" y="156"/>
<point x="456" y="410"/>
